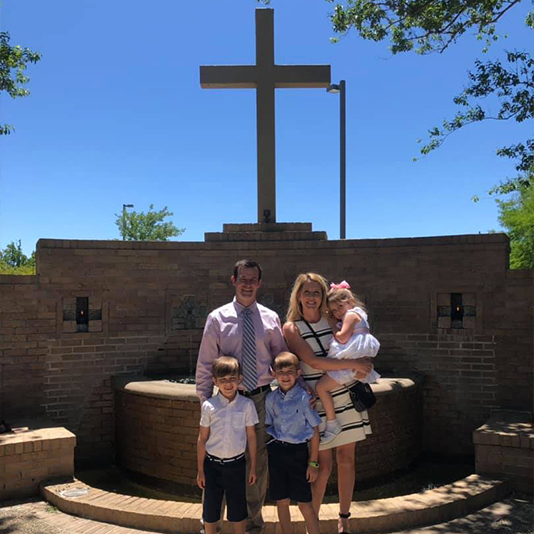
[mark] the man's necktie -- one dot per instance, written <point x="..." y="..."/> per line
<point x="248" y="362"/>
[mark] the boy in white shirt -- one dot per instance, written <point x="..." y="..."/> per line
<point x="226" y="429"/>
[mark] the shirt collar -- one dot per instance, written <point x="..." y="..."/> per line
<point x="290" y="394"/>
<point x="224" y="401"/>
<point x="239" y="307"/>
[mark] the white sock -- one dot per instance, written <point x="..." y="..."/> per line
<point x="331" y="425"/>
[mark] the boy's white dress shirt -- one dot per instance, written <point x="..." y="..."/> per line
<point x="227" y="422"/>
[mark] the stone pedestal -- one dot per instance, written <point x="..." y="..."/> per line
<point x="36" y="451"/>
<point x="266" y="232"/>
<point x="504" y="447"/>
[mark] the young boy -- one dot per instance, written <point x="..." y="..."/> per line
<point x="226" y="428"/>
<point x="292" y="422"/>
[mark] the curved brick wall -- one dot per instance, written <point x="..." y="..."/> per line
<point x="156" y="425"/>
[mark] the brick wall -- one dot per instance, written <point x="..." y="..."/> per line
<point x="148" y="302"/>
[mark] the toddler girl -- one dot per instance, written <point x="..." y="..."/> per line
<point x="353" y="341"/>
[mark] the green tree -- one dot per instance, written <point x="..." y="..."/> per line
<point x="427" y="26"/>
<point x="517" y="217"/>
<point x="14" y="261"/>
<point x="150" y="226"/>
<point x="13" y="63"/>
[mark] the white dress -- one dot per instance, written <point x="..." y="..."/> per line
<point x="362" y="344"/>
<point x="355" y="425"/>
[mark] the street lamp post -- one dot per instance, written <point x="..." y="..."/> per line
<point x="340" y="88"/>
<point x="124" y="206"/>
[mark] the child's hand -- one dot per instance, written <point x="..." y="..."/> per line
<point x="312" y="474"/>
<point x="201" y="480"/>
<point x="252" y="478"/>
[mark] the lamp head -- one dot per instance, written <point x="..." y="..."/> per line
<point x="333" y="88"/>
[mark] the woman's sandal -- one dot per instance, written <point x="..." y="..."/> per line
<point x="344" y="516"/>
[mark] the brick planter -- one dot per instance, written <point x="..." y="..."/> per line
<point x="156" y="426"/>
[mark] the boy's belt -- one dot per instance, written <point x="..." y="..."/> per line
<point x="287" y="444"/>
<point x="225" y="460"/>
<point x="256" y="391"/>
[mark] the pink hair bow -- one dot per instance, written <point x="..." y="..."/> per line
<point x="341" y="285"/>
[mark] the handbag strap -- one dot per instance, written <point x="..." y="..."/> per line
<point x="314" y="333"/>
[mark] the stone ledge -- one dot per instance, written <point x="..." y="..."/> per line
<point x="394" y="242"/>
<point x="27" y="431"/>
<point x="18" y="279"/>
<point x="262" y="236"/>
<point x="34" y="452"/>
<point x="507" y="429"/>
<point x="384" y="515"/>
<point x="164" y="389"/>
<point x="148" y="387"/>
<point x="267" y="227"/>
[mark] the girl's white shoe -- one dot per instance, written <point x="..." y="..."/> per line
<point x="333" y="428"/>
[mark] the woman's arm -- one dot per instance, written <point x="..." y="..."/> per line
<point x="297" y="345"/>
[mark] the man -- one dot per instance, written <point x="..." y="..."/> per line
<point x="251" y="333"/>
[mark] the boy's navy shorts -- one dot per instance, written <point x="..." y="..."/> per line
<point x="288" y="464"/>
<point x="228" y="479"/>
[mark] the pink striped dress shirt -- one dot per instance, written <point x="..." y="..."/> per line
<point x="223" y="336"/>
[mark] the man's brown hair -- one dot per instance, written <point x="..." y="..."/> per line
<point x="246" y="264"/>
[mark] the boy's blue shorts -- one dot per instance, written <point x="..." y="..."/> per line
<point x="288" y="464"/>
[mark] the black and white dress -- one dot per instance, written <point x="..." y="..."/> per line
<point x="355" y="425"/>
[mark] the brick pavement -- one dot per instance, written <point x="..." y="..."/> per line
<point x="511" y="516"/>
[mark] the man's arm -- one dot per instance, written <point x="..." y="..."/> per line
<point x="209" y="351"/>
<point x="300" y="347"/>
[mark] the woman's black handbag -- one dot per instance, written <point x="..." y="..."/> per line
<point x="362" y="396"/>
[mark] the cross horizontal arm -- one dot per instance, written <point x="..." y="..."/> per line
<point x="228" y="77"/>
<point x="288" y="76"/>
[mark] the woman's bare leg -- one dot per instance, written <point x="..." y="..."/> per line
<point x="346" y="476"/>
<point x="319" y="486"/>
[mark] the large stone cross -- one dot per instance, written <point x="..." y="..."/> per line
<point x="265" y="77"/>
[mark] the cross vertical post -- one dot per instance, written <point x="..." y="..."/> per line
<point x="265" y="77"/>
<point x="265" y="116"/>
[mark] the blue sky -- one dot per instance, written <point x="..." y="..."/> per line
<point x="116" y="115"/>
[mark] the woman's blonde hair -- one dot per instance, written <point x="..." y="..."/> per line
<point x="294" y="312"/>
<point x="341" y="294"/>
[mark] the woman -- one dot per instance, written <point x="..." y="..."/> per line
<point x="308" y="332"/>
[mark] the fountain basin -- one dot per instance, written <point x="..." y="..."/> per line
<point x="156" y="429"/>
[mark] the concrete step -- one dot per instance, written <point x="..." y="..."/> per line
<point x="430" y="507"/>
